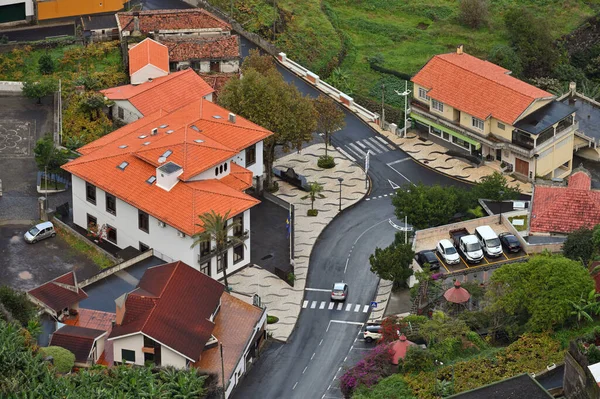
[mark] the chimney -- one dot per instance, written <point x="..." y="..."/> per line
<point x="572" y="88"/>
<point x="459" y="49"/>
<point x="231" y="117"/>
<point x="154" y="131"/>
<point x="120" y="305"/>
<point x="136" y="24"/>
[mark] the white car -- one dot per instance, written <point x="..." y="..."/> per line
<point x="339" y="292"/>
<point x="448" y="252"/>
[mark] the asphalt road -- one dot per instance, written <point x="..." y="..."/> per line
<point x="39" y="32"/>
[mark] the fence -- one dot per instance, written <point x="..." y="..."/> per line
<point x="112" y="270"/>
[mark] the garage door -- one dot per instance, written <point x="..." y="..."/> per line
<point x="12" y="12"/>
<point x="521" y="167"/>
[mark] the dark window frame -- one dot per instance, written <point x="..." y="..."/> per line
<point x="143" y="221"/>
<point x="205" y="248"/>
<point x="111" y="232"/>
<point x="205" y="267"/>
<point x="251" y="155"/>
<point x="128" y="352"/>
<point x="238" y="231"/>
<point x="90" y="193"/>
<point x="120" y="113"/>
<point x="112" y="198"/>
<point x="237" y="258"/>
<point x="143" y="247"/>
<point x="223" y="263"/>
<point x="88" y="220"/>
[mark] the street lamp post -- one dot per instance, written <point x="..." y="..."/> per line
<point x="340" y="179"/>
<point x="405" y="94"/>
<point x="501" y="205"/>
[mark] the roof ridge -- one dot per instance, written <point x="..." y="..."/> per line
<point x="160" y="296"/>
<point x="162" y="80"/>
<point x="239" y="196"/>
<point x="222" y="121"/>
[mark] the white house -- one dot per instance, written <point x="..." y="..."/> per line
<point x="15" y="11"/>
<point x="148" y="60"/>
<point x="145" y="184"/>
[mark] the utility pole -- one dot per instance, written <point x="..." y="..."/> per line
<point x="405" y="229"/>
<point x="382" y="105"/>
<point x="222" y="369"/>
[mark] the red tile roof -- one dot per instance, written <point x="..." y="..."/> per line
<point x="218" y="141"/>
<point x="166" y="93"/>
<point x="477" y="87"/>
<point x="78" y="340"/>
<point x="399" y="348"/>
<point x="148" y="52"/>
<point x="177" y="314"/>
<point x="160" y="20"/>
<point x="217" y="81"/>
<point x="94" y="319"/>
<point x="56" y="297"/>
<point x="565" y="209"/>
<point x="235" y="324"/>
<point x="219" y="48"/>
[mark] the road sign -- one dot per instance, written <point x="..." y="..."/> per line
<point x="367" y="161"/>
<point x="373" y="304"/>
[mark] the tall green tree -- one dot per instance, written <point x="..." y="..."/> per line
<point x="314" y="192"/>
<point x="46" y="64"/>
<point x="16" y="305"/>
<point x="393" y="263"/>
<point x="506" y="57"/>
<point x="330" y="117"/>
<point x="427" y="206"/>
<point x="262" y="64"/>
<point x="495" y="187"/>
<point x="268" y="101"/>
<point x="40" y="89"/>
<point x="538" y="291"/>
<point x="47" y="157"/>
<point x="217" y="231"/>
<point x="579" y="246"/>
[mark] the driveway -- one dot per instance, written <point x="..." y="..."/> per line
<point x="25" y="266"/>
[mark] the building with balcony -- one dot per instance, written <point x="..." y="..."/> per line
<point x="144" y="185"/>
<point x="477" y="108"/>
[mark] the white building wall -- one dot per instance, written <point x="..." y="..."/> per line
<point x="130" y="113"/>
<point x="147" y="72"/>
<point x="211" y="174"/>
<point x="258" y="167"/>
<point x="170" y="358"/>
<point x="205" y="66"/>
<point x="29" y="10"/>
<point x="133" y="343"/>
<point x="230" y="66"/>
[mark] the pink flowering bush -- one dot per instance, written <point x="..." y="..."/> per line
<point x="377" y="364"/>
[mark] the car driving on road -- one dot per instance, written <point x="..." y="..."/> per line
<point x="339" y="292"/>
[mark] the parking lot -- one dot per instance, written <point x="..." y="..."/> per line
<point x="25" y="266"/>
<point x="463" y="264"/>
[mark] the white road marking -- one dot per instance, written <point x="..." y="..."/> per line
<point x="320" y="342"/>
<point x="394" y="185"/>
<point x="400" y="160"/>
<point x="313" y="355"/>
<point x="391" y="147"/>
<point x="361" y="144"/>
<point x="348" y="307"/>
<point x="368" y="199"/>
<point x="294" y="387"/>
<point x="304" y="371"/>
<point x="346" y="358"/>
<point x="381" y="139"/>
<point x="346" y="267"/>
<point x="366" y="309"/>
<point x="305" y="304"/>
<point x="331" y="305"/>
<point x="313" y="304"/>
<point x="373" y="148"/>
<point x="394" y="169"/>
<point x="378" y="145"/>
<point x="344" y="153"/>
<point x="339" y="306"/>
<point x="357" y="308"/>
<point x="317" y="289"/>
<point x="322" y="305"/>
<point x="357" y="150"/>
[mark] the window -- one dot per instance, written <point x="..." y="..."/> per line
<point x="223" y="263"/>
<point x="196" y="65"/>
<point x="239" y="230"/>
<point x="143" y="221"/>
<point x="127" y="355"/>
<point x="437" y="105"/>
<point x="204" y="248"/>
<point x="216" y="171"/>
<point x="121" y="113"/>
<point x="111" y="234"/>
<point x="91" y="221"/>
<point x="477" y="123"/>
<point x="251" y="155"/>
<point x="436" y="131"/>
<point x="149" y="357"/>
<point x="123" y="165"/>
<point x="501" y="126"/>
<point x="173" y="66"/>
<point x="111" y="204"/>
<point x="215" y="66"/>
<point x="221" y="169"/>
<point x="143" y="247"/>
<point x="225" y="167"/>
<point x="90" y="193"/>
<point x="205" y="268"/>
<point x="461" y="143"/>
<point x="423" y="94"/>
<point x="148" y="342"/>
<point x="238" y="254"/>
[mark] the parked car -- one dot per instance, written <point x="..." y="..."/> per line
<point x="490" y="243"/>
<point x="428" y="257"/>
<point x="510" y="242"/>
<point x="339" y="292"/>
<point x="467" y="244"/>
<point x="39" y="232"/>
<point x="373" y="333"/>
<point x="448" y="252"/>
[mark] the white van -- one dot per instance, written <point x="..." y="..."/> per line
<point x="489" y="241"/>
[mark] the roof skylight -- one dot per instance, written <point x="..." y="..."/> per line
<point x="123" y="146"/>
<point x="195" y="128"/>
<point x="199" y="141"/>
<point x="169" y="131"/>
<point x="167" y="153"/>
<point x="151" y="179"/>
<point x="217" y="117"/>
<point x="143" y="136"/>
<point x="146" y="143"/>
<point x="163" y="126"/>
<point x="123" y="165"/>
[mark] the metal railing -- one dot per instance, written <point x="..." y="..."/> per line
<point x="213" y="252"/>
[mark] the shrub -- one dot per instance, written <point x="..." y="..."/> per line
<point x="326" y="162"/>
<point x="473" y="13"/>
<point x="16" y="304"/>
<point x="579" y="245"/>
<point x="291" y="277"/>
<point x="272" y="319"/>
<point x="392" y="387"/>
<point x="64" y="360"/>
<point x="377" y="364"/>
<point x="416" y="360"/>
<point x="593" y="354"/>
<point x="46" y="64"/>
<point x="312" y="212"/>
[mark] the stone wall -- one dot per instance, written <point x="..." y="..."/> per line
<point x="46" y="44"/>
<point x="585" y="36"/>
<point x="578" y="382"/>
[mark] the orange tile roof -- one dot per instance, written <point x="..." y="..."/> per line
<point x="167" y="93"/>
<point x="185" y="49"/>
<point x="477" y="87"/>
<point x="217" y="81"/>
<point x="148" y="52"/>
<point x="216" y="141"/>
<point x="156" y="20"/>
<point x="234" y="326"/>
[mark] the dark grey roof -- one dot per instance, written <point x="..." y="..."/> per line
<point x="588" y="116"/>
<point x="543" y="118"/>
<point x="169" y="167"/>
<point x="519" y="387"/>
<point x="95" y="22"/>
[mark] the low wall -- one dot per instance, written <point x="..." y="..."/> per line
<point x="7" y="87"/>
<point x="78" y="235"/>
<point x="41" y="44"/>
<point x="469" y="225"/>
<point x="112" y="270"/>
<point x="531" y="248"/>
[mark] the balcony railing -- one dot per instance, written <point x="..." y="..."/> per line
<point x="203" y="257"/>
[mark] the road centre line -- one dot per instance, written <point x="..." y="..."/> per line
<point x="294" y="387"/>
<point x="313" y="355"/>
<point x="304" y="371"/>
<point x="394" y="169"/>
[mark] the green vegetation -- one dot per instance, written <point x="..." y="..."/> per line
<point x="314" y="192"/>
<point x="14" y="306"/>
<point x="64" y="360"/>
<point x="392" y="387"/>
<point x="81" y="246"/>
<point x="522" y="227"/>
<point x="272" y="319"/>
<point x="393" y="263"/>
<point x="580" y="245"/>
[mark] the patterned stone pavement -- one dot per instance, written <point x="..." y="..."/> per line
<point x="280" y="299"/>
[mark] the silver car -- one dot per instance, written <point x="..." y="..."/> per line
<point x="339" y="292"/>
<point x="39" y="232"/>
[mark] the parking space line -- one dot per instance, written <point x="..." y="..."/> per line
<point x="305" y="304"/>
<point x="441" y="261"/>
<point x="331" y="305"/>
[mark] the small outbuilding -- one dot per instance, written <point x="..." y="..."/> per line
<point x="400" y="348"/>
<point x="457" y="294"/>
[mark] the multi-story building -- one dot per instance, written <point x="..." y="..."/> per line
<point x="16" y="11"/>
<point x="475" y="107"/>
<point x="145" y="184"/>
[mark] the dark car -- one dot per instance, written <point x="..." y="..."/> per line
<point x="428" y="257"/>
<point x="509" y="242"/>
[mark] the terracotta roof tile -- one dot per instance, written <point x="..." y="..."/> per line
<point x="477" y="87"/>
<point x="580" y="180"/>
<point x="56" y="297"/>
<point x="179" y="317"/>
<point x="219" y="48"/>
<point x="148" y="52"/>
<point x="234" y="326"/>
<point x="156" y="20"/>
<point x="238" y="178"/>
<point x="78" y="340"/>
<point x="94" y="319"/>
<point x="166" y="93"/>
<point x="217" y="81"/>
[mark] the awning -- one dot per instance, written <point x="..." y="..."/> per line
<point x="451" y="132"/>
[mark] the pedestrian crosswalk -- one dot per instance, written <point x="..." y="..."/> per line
<point x="358" y="149"/>
<point x="341" y="306"/>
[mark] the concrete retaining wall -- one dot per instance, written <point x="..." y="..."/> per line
<point x="112" y="270"/>
<point x="69" y="229"/>
<point x="7" y="87"/>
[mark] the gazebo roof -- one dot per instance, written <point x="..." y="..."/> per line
<point x="400" y="347"/>
<point x="457" y="294"/>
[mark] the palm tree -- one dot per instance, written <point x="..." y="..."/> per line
<point x="585" y="308"/>
<point x="314" y="192"/>
<point x="217" y="230"/>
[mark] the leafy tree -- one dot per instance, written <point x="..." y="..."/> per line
<point x="473" y="13"/>
<point x="262" y="64"/>
<point x="392" y="387"/>
<point x="427" y="206"/>
<point x="416" y="360"/>
<point x="495" y="187"/>
<point x="314" y="192"/>
<point x="48" y="157"/>
<point x="530" y="36"/>
<point x="64" y="360"/>
<point x="330" y="117"/>
<point x="506" y="57"/>
<point x="393" y="263"/>
<point x="442" y="326"/>
<point x="92" y="104"/>
<point x="16" y="304"/>
<point x="579" y="246"/>
<point x="538" y="291"/>
<point x="39" y="89"/>
<point x="270" y="102"/>
<point x="46" y="64"/>
<point x="376" y="364"/>
<point x="216" y="229"/>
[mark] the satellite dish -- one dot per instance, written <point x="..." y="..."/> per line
<point x="162" y="159"/>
